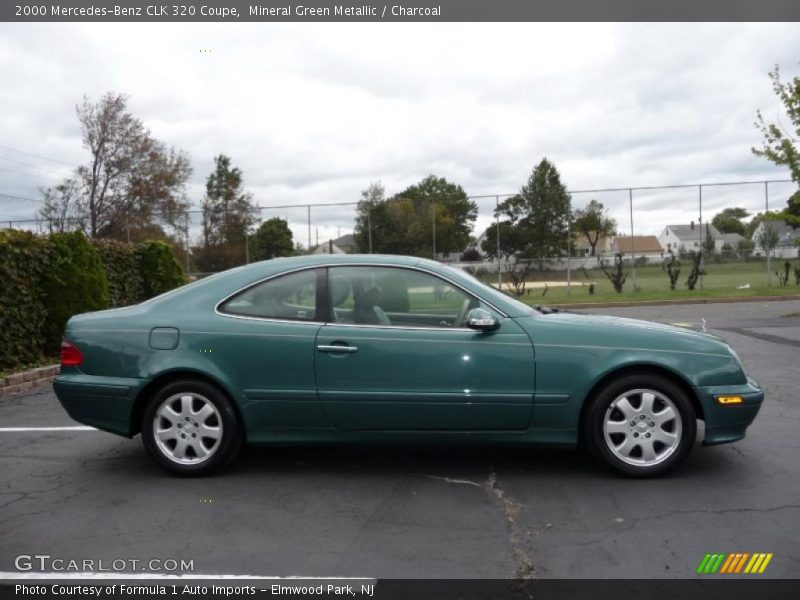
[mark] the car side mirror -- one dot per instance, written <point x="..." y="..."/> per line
<point x="481" y="320"/>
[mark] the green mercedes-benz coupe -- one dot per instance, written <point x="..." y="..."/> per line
<point x="386" y="348"/>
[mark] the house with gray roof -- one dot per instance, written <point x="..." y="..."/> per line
<point x="684" y="238"/>
<point x="787" y="235"/>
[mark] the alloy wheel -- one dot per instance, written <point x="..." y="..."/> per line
<point x="187" y="428"/>
<point x="642" y="427"/>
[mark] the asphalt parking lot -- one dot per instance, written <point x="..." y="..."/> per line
<point x="432" y="511"/>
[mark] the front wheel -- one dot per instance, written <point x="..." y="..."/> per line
<point x="191" y="428"/>
<point x="641" y="425"/>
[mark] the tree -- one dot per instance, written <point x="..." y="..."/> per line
<point x="471" y="255"/>
<point x="228" y="214"/>
<point x="512" y="243"/>
<point x="709" y="245"/>
<point x="793" y="205"/>
<point x="131" y="181"/>
<point x="696" y="259"/>
<point x="272" y="239"/>
<point x="767" y="237"/>
<point x="536" y="220"/>
<point x="433" y="213"/>
<point x="546" y="205"/>
<point x="672" y="266"/>
<point x="618" y="274"/>
<point x="63" y="210"/>
<point x="371" y="198"/>
<point x="744" y="248"/>
<point x="594" y="223"/>
<point x="729" y="220"/>
<point x="780" y="146"/>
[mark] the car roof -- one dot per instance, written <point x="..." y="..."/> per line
<point x="214" y="288"/>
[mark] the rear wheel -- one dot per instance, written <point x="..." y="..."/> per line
<point x="641" y="425"/>
<point x="191" y="428"/>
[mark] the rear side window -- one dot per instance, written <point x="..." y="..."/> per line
<point x="291" y="297"/>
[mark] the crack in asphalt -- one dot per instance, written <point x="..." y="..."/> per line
<point x="524" y="566"/>
<point x="524" y="563"/>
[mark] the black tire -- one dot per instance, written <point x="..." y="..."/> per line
<point x="618" y="449"/>
<point x="222" y="422"/>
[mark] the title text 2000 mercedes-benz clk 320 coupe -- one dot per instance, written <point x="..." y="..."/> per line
<point x="385" y="348"/>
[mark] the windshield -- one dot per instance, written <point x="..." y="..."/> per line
<point x="491" y="292"/>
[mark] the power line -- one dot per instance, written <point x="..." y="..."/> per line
<point x="25" y="174"/>
<point x="24" y="164"/>
<point x="36" y="156"/>
<point x="13" y="197"/>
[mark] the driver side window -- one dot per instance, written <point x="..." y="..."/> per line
<point x="396" y="296"/>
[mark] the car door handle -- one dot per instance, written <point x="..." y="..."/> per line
<point x="337" y="348"/>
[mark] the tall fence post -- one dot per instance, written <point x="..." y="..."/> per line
<point x="633" y="255"/>
<point x="497" y="230"/>
<point x="188" y="243"/>
<point x="308" y="208"/>
<point x="766" y="208"/>
<point x="246" y="246"/>
<point x="569" y="245"/>
<point x="369" y="226"/>
<point x="702" y="248"/>
<point x="433" y="221"/>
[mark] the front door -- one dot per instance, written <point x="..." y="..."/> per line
<point x="396" y="355"/>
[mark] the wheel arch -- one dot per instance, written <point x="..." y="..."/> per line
<point x="638" y="369"/>
<point x="162" y="379"/>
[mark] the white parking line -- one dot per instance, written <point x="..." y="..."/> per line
<point x="24" y="429"/>
<point x="11" y="575"/>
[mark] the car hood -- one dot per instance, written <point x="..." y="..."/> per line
<point x="605" y="330"/>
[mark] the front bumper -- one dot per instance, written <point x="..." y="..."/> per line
<point x="103" y="402"/>
<point x="730" y="422"/>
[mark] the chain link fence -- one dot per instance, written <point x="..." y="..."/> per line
<point x="651" y="222"/>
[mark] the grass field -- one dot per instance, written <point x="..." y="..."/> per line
<point x="721" y="280"/>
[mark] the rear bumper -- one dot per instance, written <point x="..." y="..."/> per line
<point x="103" y="402"/>
<point x="729" y="423"/>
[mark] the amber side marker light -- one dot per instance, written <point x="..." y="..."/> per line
<point x="728" y="400"/>
<point x="70" y="355"/>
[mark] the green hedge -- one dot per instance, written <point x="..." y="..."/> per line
<point x="123" y="271"/>
<point x="24" y="262"/>
<point x="160" y="270"/>
<point x="76" y="283"/>
<point x="44" y="280"/>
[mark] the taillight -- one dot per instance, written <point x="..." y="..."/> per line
<point x="70" y="355"/>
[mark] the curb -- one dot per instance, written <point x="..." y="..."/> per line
<point x="26" y="380"/>
<point x="630" y="303"/>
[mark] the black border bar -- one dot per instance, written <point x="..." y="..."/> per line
<point x="702" y="588"/>
<point x="400" y="10"/>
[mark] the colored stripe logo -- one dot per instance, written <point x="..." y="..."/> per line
<point x="736" y="562"/>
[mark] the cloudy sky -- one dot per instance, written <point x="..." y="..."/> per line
<point x="312" y="113"/>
